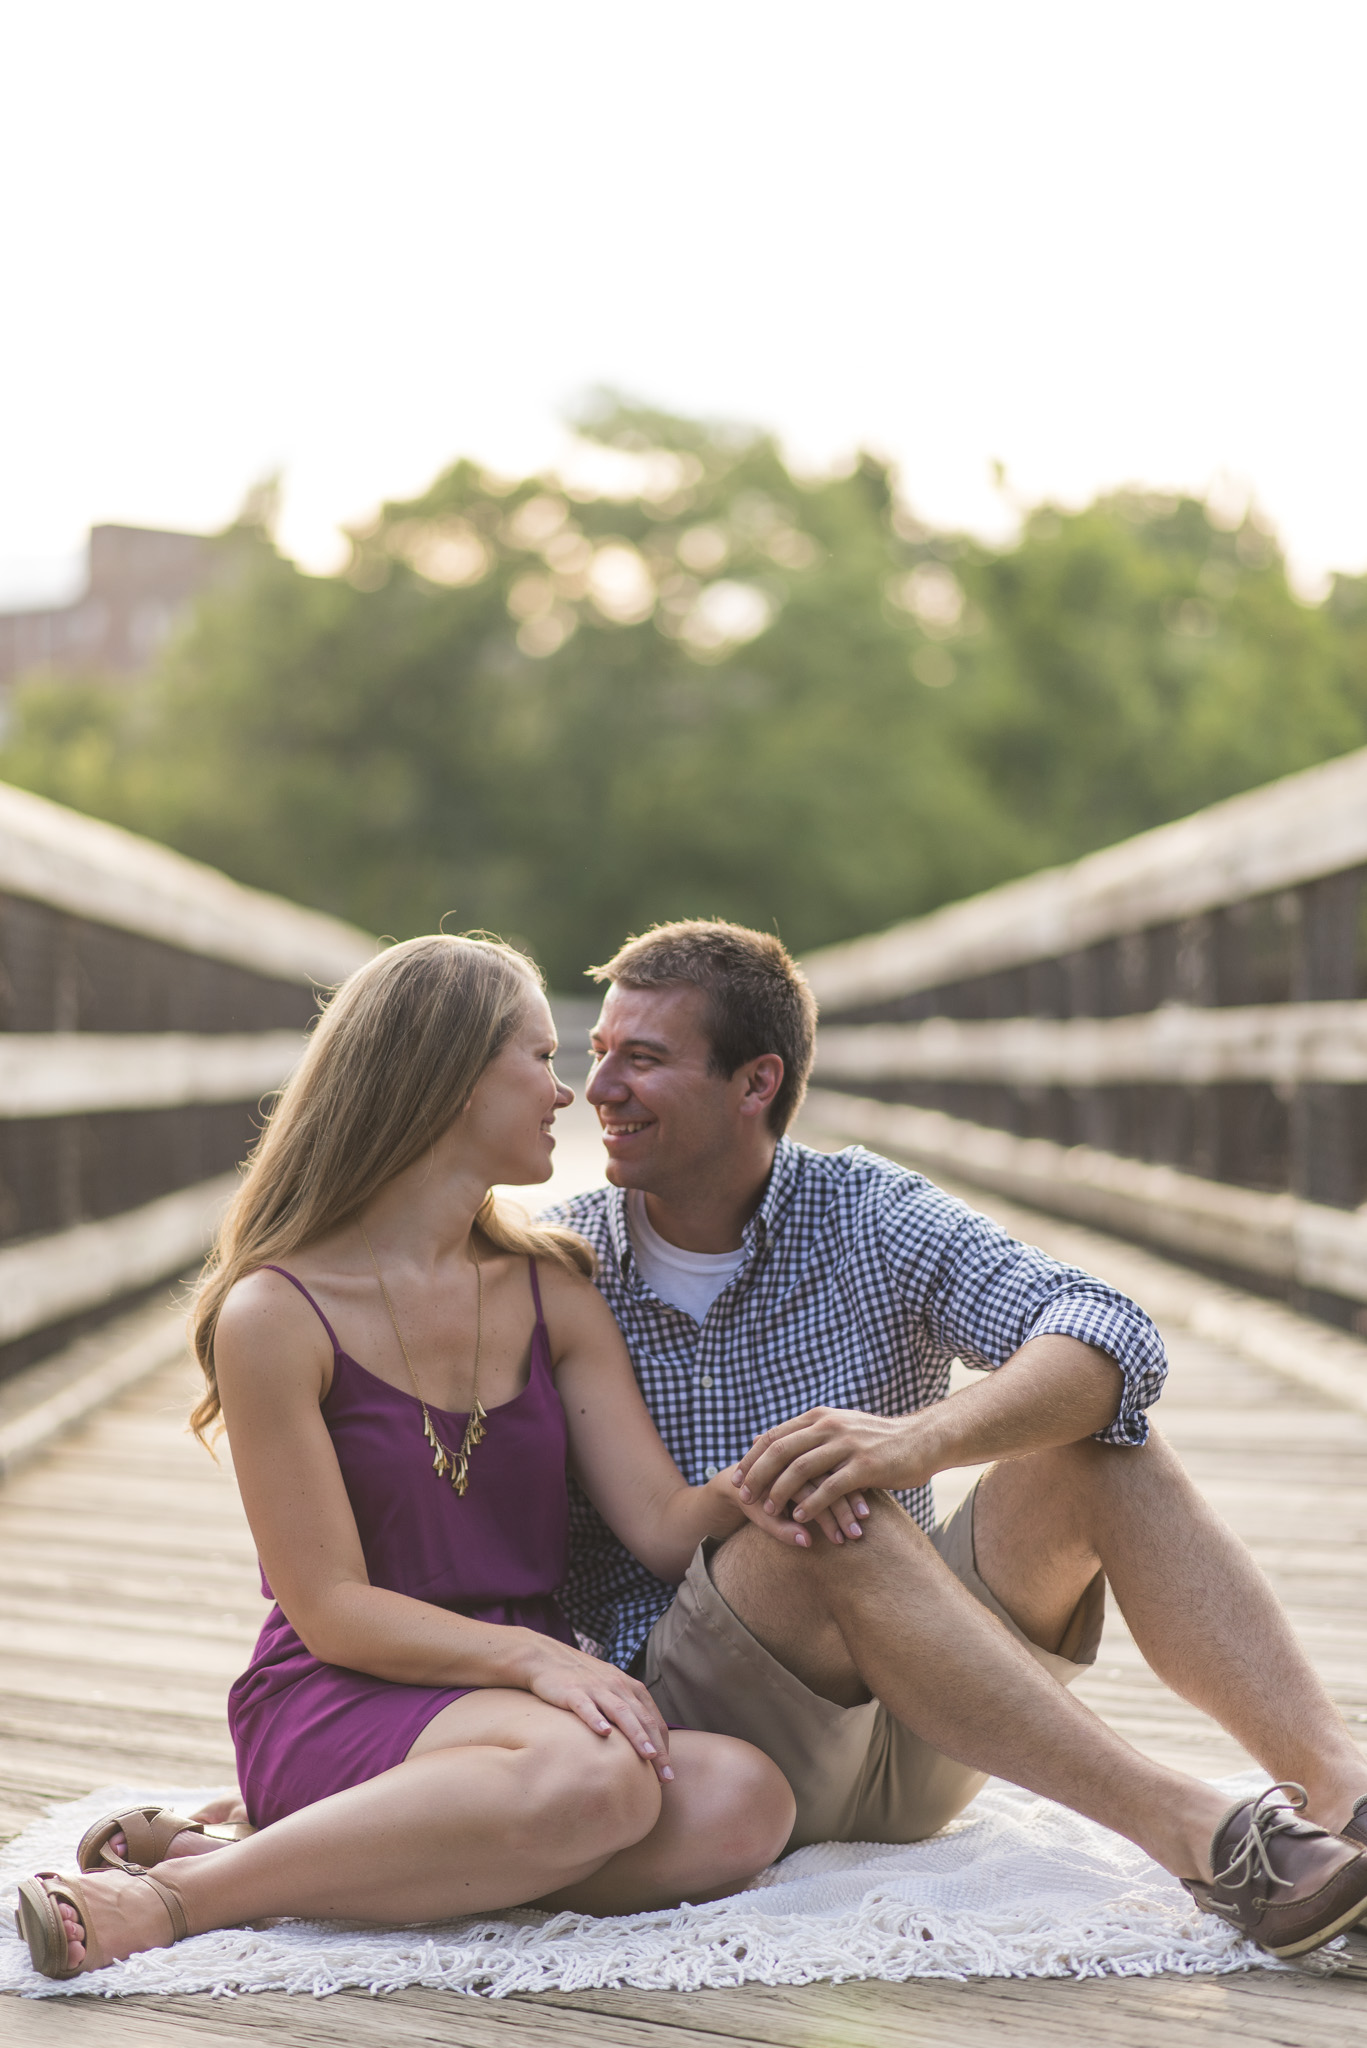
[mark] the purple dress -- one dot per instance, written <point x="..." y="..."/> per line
<point x="303" y="1729"/>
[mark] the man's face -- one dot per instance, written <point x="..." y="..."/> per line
<point x="666" y="1118"/>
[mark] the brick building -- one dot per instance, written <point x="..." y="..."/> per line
<point x="139" y="585"/>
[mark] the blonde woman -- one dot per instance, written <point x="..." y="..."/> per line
<point x="402" y="1369"/>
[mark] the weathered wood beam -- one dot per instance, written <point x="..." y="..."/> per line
<point x="1285" y="1044"/>
<point x="96" y="871"/>
<point x="1297" y="830"/>
<point x="1279" y="1236"/>
<point x="1325" y="1166"/>
<point x="46" y="1279"/>
<point x="72" y="1073"/>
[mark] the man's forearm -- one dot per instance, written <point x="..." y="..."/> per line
<point x="1055" y="1390"/>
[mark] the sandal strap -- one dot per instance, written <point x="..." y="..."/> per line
<point x="174" y="1904"/>
<point x="68" y="1891"/>
<point x="148" y="1830"/>
<point x="150" y="1835"/>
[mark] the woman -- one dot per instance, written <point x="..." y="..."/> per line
<point x="401" y="1367"/>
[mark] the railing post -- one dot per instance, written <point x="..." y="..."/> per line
<point x="1326" y="1162"/>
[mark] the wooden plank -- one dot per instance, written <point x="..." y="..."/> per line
<point x="64" y="1390"/>
<point x="1284" y="1044"/>
<point x="98" y="871"/>
<point x="1180" y="2013"/>
<point x="79" y="1681"/>
<point x="1265" y="2012"/>
<point x="43" y="1279"/>
<point x="351" y="2018"/>
<point x="1277" y="1236"/>
<point x="72" y="1073"/>
<point x="89" y="1645"/>
<point x="1292" y="831"/>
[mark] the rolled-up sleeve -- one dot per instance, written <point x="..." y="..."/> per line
<point x="980" y="1295"/>
<point x="1096" y="1314"/>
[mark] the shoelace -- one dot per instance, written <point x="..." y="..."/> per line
<point x="1251" y="1854"/>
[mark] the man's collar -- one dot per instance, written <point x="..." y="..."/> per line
<point x="617" y="1228"/>
<point x="778" y="1194"/>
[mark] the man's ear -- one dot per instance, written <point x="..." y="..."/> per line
<point x="763" y="1079"/>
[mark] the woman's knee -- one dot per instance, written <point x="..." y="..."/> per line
<point x="762" y="1813"/>
<point x="593" y="1791"/>
<point x="741" y="1799"/>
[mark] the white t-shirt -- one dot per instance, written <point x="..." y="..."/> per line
<point x="687" y="1280"/>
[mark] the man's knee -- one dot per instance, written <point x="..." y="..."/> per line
<point x="755" y="1573"/>
<point x="749" y="1565"/>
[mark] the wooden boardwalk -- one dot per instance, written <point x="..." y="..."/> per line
<point x="128" y="1601"/>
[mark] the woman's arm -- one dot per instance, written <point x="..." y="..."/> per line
<point x="617" y="1455"/>
<point x="273" y="1367"/>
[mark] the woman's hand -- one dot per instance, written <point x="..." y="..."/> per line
<point x="836" y="1520"/>
<point x="602" y="1696"/>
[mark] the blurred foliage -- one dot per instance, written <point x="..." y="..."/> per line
<point x="683" y="681"/>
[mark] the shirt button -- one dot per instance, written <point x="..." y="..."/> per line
<point x="706" y="1381"/>
<point x="712" y="1471"/>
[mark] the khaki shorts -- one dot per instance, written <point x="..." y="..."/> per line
<point x="857" y="1774"/>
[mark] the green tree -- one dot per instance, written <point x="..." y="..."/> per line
<point x="686" y="681"/>
<point x="1141" y="661"/>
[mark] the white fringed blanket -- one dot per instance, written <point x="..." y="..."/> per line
<point x="1016" y="1887"/>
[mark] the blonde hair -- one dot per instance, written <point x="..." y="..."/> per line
<point x="388" y="1067"/>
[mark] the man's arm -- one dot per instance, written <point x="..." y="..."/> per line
<point x="1072" y="1356"/>
<point x="1054" y="1390"/>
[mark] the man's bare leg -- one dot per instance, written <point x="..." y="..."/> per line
<point x="1200" y="1611"/>
<point x="887" y="1616"/>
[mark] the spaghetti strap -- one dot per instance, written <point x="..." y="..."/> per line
<point x="536" y="1294"/>
<point x="332" y="1334"/>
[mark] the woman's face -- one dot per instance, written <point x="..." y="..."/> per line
<point x="507" y="1122"/>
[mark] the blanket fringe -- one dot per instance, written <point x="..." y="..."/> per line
<point x="1017" y="1888"/>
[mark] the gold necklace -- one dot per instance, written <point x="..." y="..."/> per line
<point x="446" y="1463"/>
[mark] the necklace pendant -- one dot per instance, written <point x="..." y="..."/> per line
<point x="446" y="1463"/>
<point x="441" y="1457"/>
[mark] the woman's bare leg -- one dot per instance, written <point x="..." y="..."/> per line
<point x="727" y="1816"/>
<point x="526" y="1801"/>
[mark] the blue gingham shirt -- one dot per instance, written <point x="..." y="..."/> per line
<point x="862" y="1282"/>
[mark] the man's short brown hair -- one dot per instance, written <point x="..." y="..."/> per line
<point x="758" y="1000"/>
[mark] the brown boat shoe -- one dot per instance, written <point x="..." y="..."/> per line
<point x="1283" y="1882"/>
<point x="1354" y="1829"/>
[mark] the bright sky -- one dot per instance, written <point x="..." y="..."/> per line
<point x="1098" y="240"/>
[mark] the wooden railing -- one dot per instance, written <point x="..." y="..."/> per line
<point x="146" y="1005"/>
<point x="1167" y="1038"/>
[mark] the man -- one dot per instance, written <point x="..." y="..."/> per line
<point x="815" y="1302"/>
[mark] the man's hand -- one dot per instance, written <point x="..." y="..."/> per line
<point x="1054" y="1390"/>
<point x="825" y="1456"/>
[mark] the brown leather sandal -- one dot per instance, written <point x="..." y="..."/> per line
<point x="149" y="1832"/>
<point x="40" y="1922"/>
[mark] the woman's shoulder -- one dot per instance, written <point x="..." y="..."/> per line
<point x="580" y="1323"/>
<point x="267" y="1308"/>
<point x="561" y="1284"/>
